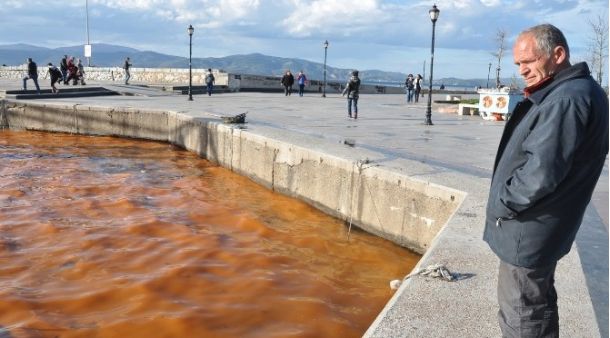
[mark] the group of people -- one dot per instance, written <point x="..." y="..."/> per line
<point x="413" y="87"/>
<point x="352" y="89"/>
<point x="70" y="70"/>
<point x="287" y="82"/>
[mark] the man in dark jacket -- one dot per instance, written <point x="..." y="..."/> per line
<point x="32" y="75"/>
<point x="56" y="76"/>
<point x="63" y="66"/>
<point x="127" y="67"/>
<point x="287" y="82"/>
<point x="209" y="81"/>
<point x="549" y="159"/>
<point x="352" y="89"/>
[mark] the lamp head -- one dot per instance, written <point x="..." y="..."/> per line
<point x="326" y="44"/>
<point x="190" y="30"/>
<point x="434" y="12"/>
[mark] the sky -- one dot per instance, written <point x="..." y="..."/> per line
<point x="388" y="35"/>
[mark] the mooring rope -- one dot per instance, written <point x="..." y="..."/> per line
<point x="351" y="203"/>
<point x="432" y="271"/>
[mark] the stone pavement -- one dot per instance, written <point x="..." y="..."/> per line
<point x="457" y="151"/>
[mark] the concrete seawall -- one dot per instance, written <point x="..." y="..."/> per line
<point x="180" y="77"/>
<point x="405" y="210"/>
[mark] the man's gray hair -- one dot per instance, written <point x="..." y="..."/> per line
<point x="547" y="38"/>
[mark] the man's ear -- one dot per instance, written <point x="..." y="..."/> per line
<point x="559" y="55"/>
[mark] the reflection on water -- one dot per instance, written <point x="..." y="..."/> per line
<point x="106" y="237"/>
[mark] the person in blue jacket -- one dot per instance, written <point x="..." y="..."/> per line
<point x="550" y="157"/>
<point x="301" y="80"/>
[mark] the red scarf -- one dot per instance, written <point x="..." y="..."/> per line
<point x="527" y="91"/>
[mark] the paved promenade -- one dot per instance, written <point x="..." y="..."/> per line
<point x="458" y="152"/>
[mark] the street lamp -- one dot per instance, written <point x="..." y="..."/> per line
<point x="88" y="46"/>
<point x="190" y="30"/>
<point x="498" y="76"/>
<point x="488" y="71"/>
<point x="433" y="16"/>
<point x="325" y="53"/>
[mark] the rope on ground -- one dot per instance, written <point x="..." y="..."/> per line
<point x="431" y="271"/>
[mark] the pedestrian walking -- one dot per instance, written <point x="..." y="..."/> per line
<point x="209" y="81"/>
<point x="417" y="91"/>
<point x="56" y="76"/>
<point x="287" y="81"/>
<point x="352" y="89"/>
<point x="301" y="80"/>
<point x="80" y="73"/>
<point x="72" y="71"/>
<point x="63" y="65"/>
<point x="31" y="75"/>
<point x="409" y="86"/>
<point x="126" y="67"/>
<point x="550" y="157"/>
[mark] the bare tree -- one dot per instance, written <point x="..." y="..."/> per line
<point x="500" y="40"/>
<point x="598" y="46"/>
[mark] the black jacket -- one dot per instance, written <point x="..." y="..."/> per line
<point x="550" y="157"/>
<point x="288" y="80"/>
<point x="32" y="69"/>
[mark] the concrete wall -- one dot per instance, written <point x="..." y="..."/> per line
<point x="180" y="76"/>
<point x="405" y="210"/>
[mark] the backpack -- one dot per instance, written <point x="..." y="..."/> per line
<point x="209" y="78"/>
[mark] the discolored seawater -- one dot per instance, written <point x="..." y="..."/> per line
<point x="108" y="237"/>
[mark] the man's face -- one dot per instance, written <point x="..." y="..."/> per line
<point x="533" y="64"/>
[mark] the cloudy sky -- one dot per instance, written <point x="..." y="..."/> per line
<point x="389" y="35"/>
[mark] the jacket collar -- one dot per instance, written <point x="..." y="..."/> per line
<point x="578" y="70"/>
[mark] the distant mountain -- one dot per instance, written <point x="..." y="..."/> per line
<point x="106" y="55"/>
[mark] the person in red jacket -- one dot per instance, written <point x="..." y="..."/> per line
<point x="72" y="71"/>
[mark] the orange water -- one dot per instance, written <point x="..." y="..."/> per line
<point x="108" y="237"/>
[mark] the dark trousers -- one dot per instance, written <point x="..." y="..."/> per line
<point x="301" y="89"/>
<point x="287" y="90"/>
<point x="210" y="88"/>
<point x="409" y="95"/>
<point x="528" y="301"/>
<point x="33" y="78"/>
<point x="352" y="102"/>
<point x="73" y="77"/>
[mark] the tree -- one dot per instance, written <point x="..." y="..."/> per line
<point x="598" y="45"/>
<point x="500" y="40"/>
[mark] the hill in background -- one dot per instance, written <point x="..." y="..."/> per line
<point x="105" y="55"/>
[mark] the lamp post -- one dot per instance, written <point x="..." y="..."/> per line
<point x="325" y="53"/>
<point x="488" y="71"/>
<point x="433" y="16"/>
<point x="190" y="30"/>
<point x="498" y="76"/>
<point x="87" y="52"/>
